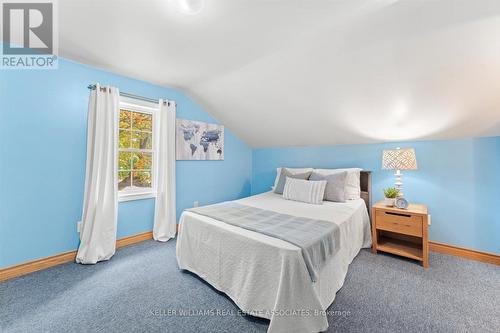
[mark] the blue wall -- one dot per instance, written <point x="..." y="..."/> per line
<point x="43" y="119"/>
<point x="458" y="179"/>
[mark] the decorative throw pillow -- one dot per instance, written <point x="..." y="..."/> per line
<point x="286" y="173"/>
<point x="304" y="190"/>
<point x="335" y="186"/>
<point x="293" y="171"/>
<point x="353" y="180"/>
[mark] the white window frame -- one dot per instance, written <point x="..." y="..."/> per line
<point x="149" y="108"/>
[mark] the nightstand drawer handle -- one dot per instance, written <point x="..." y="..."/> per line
<point x="398" y="214"/>
<point x="402" y="225"/>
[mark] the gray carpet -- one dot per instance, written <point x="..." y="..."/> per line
<point x="142" y="290"/>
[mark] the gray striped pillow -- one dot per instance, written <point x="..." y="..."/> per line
<point x="304" y="190"/>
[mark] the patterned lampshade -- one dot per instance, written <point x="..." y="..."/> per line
<point x="399" y="159"/>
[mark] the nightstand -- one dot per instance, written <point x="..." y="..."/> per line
<point x="401" y="231"/>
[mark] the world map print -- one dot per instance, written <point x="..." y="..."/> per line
<point x="196" y="140"/>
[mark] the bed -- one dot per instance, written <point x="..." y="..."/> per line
<point x="267" y="277"/>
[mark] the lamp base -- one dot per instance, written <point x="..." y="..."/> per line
<point x="399" y="183"/>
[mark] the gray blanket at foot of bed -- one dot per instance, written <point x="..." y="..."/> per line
<point x="317" y="239"/>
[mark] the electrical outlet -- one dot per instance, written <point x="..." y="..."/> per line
<point x="429" y="219"/>
<point x="196" y="204"/>
<point x="79" y="226"/>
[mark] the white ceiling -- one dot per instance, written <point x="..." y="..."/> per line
<point x="281" y="73"/>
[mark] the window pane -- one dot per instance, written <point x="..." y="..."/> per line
<point x="141" y="179"/>
<point x="124" y="180"/>
<point x="142" y="140"/>
<point x="124" y="139"/>
<point x="141" y="161"/>
<point x="142" y="121"/>
<point x="124" y="161"/>
<point x="125" y="119"/>
<point x="135" y="168"/>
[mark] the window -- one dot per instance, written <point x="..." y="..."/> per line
<point x="136" y="151"/>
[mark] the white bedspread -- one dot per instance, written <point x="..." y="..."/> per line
<point x="265" y="276"/>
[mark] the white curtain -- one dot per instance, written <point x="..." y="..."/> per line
<point x="99" y="218"/>
<point x="165" y="217"/>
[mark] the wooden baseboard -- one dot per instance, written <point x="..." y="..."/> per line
<point x="458" y="251"/>
<point x="36" y="265"/>
<point x="134" y="239"/>
<point x="62" y="258"/>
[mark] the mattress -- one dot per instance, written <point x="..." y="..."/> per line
<point x="265" y="276"/>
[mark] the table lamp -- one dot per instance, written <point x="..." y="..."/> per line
<point x="399" y="159"/>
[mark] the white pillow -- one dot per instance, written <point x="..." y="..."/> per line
<point x="293" y="171"/>
<point x="353" y="184"/>
<point x="304" y="190"/>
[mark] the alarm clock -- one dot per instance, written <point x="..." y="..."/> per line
<point x="401" y="203"/>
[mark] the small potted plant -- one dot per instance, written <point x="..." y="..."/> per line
<point x="390" y="193"/>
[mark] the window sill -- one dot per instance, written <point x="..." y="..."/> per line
<point x="135" y="196"/>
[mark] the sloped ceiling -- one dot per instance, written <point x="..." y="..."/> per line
<point x="282" y="73"/>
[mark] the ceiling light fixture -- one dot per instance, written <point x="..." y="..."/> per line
<point x="191" y="7"/>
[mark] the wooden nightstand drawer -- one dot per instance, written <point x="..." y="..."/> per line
<point x="398" y="222"/>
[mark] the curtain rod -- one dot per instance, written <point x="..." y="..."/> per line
<point x="141" y="98"/>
